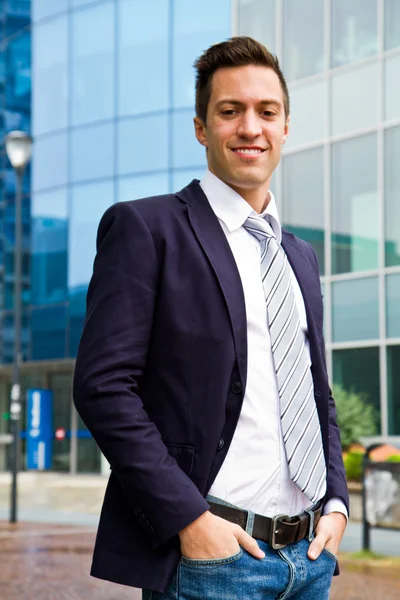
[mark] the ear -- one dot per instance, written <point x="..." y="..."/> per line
<point x="286" y="131"/>
<point x="200" y="131"/>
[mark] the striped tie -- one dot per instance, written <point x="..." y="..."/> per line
<point x="300" y="424"/>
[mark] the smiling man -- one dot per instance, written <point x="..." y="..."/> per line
<point x="201" y="371"/>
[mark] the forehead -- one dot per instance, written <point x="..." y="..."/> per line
<point x="248" y="84"/>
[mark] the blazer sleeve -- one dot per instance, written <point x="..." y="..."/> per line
<point x="110" y="362"/>
<point x="336" y="482"/>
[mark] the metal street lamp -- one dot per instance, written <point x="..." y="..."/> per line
<point x="19" y="148"/>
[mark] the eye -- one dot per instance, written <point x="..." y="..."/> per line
<point x="268" y="113"/>
<point x="229" y="112"/>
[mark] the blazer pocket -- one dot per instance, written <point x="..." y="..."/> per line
<point x="184" y="456"/>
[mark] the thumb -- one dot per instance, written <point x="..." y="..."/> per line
<point x="248" y="543"/>
<point x="317" y="546"/>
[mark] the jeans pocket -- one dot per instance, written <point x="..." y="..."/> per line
<point x="211" y="562"/>
<point x="329" y="554"/>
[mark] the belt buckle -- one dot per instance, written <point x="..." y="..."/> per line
<point x="272" y="541"/>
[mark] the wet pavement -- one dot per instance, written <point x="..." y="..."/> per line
<point x="40" y="561"/>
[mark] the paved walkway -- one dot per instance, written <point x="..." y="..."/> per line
<point x="41" y="561"/>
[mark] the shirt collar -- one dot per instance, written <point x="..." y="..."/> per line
<point x="232" y="209"/>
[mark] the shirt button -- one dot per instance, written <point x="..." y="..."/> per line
<point x="221" y="444"/>
<point x="236" y="387"/>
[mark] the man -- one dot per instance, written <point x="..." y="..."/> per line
<point x="201" y="370"/>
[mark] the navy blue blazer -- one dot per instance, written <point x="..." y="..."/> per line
<point x="161" y="373"/>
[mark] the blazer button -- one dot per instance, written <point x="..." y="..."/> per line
<point x="317" y="393"/>
<point x="236" y="387"/>
<point x="221" y="444"/>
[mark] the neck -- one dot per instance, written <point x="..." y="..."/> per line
<point x="258" y="198"/>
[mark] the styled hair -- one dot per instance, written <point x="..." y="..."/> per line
<point x="237" y="51"/>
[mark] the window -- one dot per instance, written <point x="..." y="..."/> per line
<point x="42" y="9"/>
<point x="88" y="204"/>
<point x="48" y="327"/>
<point x="142" y="186"/>
<point x="308" y="110"/>
<point x="182" y="177"/>
<point x="392" y="197"/>
<point x="355" y="309"/>
<point x="303" y="198"/>
<point x="393" y="305"/>
<point x="393" y="378"/>
<point x="355" y="99"/>
<point x="392" y="89"/>
<point x="76" y="317"/>
<point x="49" y="247"/>
<point x="92" y="152"/>
<point x="303" y="38"/>
<point x="49" y="162"/>
<point x="392" y="24"/>
<point x="257" y="19"/>
<point x="143" y="56"/>
<point x="50" y="76"/>
<point x="354" y="205"/>
<point x="143" y="144"/>
<point x="358" y="369"/>
<point x="193" y="33"/>
<point x="93" y="64"/>
<point x="187" y="152"/>
<point x="354" y="30"/>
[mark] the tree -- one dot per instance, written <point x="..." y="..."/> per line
<point x="355" y="416"/>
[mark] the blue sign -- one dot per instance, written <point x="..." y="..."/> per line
<point x="39" y="429"/>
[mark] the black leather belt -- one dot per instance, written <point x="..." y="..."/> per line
<point x="278" y="531"/>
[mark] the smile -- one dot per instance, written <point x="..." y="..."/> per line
<point x="249" y="151"/>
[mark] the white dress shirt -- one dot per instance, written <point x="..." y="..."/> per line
<point x="255" y="473"/>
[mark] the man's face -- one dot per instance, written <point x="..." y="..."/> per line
<point x="246" y="126"/>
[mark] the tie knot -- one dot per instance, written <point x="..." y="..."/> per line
<point x="259" y="227"/>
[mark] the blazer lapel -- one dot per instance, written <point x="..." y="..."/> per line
<point x="214" y="243"/>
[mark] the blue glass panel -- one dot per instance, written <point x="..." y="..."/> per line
<point x="354" y="30"/>
<point x="187" y="152"/>
<point x="303" y="214"/>
<point x="392" y="195"/>
<point x="303" y="34"/>
<point x="143" y="144"/>
<point x="93" y="63"/>
<point x="88" y="204"/>
<point x="355" y="219"/>
<point x="194" y="31"/>
<point x="355" y="313"/>
<point x="257" y="19"/>
<point x="48" y="327"/>
<point x="47" y="8"/>
<point x="143" y="56"/>
<point x="142" y="186"/>
<point x="76" y="315"/>
<point x="18" y="65"/>
<point x="92" y="152"/>
<point x="392" y="24"/>
<point x="50" y="76"/>
<point x="393" y="305"/>
<point x="49" y="162"/>
<point x="182" y="177"/>
<point x="49" y="247"/>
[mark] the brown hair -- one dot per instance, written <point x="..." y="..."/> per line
<point x="235" y="52"/>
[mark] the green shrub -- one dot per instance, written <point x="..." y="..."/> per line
<point x="355" y="416"/>
<point x="353" y="465"/>
<point x="395" y="458"/>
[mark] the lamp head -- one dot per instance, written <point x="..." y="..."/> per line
<point x="18" y="148"/>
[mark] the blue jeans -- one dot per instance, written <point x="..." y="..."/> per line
<point x="285" y="573"/>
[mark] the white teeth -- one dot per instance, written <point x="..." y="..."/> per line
<point x="248" y="150"/>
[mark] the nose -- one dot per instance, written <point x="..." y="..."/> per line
<point x="249" y="125"/>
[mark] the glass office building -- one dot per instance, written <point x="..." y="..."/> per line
<point x="112" y="107"/>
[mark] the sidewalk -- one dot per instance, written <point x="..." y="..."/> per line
<point x="52" y="562"/>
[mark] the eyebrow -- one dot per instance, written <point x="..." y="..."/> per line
<point x="241" y="104"/>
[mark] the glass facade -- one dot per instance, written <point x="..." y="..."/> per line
<point x="339" y="185"/>
<point x="112" y="119"/>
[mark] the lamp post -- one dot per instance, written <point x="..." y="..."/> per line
<point x="18" y="148"/>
